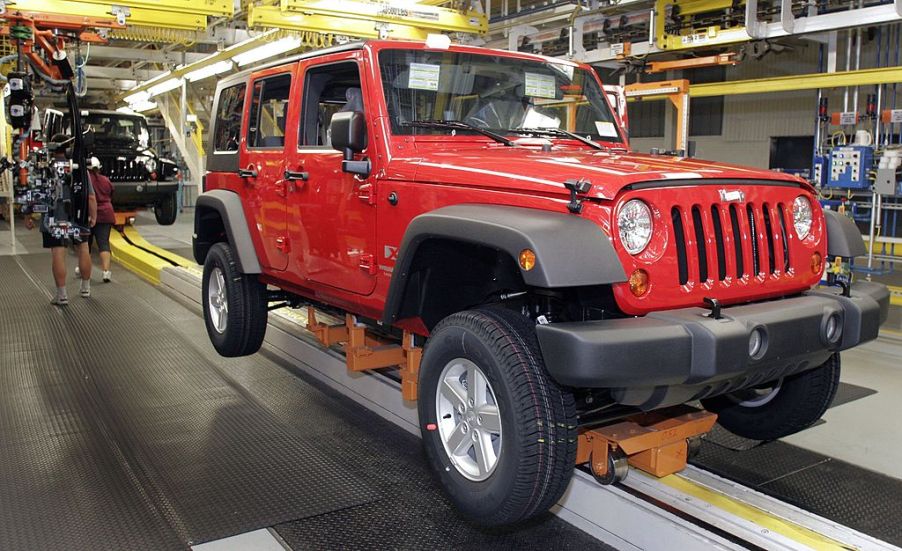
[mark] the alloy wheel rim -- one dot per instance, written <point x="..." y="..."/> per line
<point x="469" y="420"/>
<point x="218" y="304"/>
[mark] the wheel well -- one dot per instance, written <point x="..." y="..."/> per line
<point x="209" y="229"/>
<point x="448" y="276"/>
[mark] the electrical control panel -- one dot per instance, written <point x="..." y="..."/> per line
<point x="849" y="167"/>
<point x="819" y="170"/>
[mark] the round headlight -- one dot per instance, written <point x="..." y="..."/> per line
<point x="150" y="165"/>
<point x="801" y="216"/>
<point x="635" y="225"/>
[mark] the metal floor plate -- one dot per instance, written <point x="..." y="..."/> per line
<point x="117" y="432"/>
<point x="861" y="499"/>
<point x="121" y="428"/>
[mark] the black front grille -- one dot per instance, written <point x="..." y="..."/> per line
<point x="123" y="169"/>
<point x="703" y="239"/>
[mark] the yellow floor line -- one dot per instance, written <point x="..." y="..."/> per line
<point x="134" y="259"/>
<point x="762" y="518"/>
<point x="137" y="239"/>
<point x="895" y="295"/>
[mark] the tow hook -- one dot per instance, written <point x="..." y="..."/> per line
<point x="714" y="305"/>
<point x="577" y="188"/>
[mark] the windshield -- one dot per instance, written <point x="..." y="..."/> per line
<point x="493" y="92"/>
<point x="118" y="128"/>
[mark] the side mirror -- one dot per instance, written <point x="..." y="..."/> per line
<point x="348" y="132"/>
<point x="87" y="140"/>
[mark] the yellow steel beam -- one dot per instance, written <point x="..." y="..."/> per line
<point x="272" y="16"/>
<point x="694" y="37"/>
<point x="198" y="7"/>
<point x="426" y="17"/>
<point x="138" y="16"/>
<point x="864" y="77"/>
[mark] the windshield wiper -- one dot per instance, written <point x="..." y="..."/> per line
<point x="557" y="132"/>
<point x="458" y="125"/>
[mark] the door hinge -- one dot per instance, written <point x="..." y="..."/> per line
<point x="365" y="194"/>
<point x="368" y="263"/>
<point x="283" y="244"/>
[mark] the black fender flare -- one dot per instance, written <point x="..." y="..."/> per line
<point x="571" y="251"/>
<point x="228" y="205"/>
<point x="843" y="237"/>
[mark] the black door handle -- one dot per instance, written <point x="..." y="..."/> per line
<point x="296" y="175"/>
<point x="249" y="172"/>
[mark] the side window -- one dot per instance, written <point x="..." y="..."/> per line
<point x="228" y="118"/>
<point x="269" y="111"/>
<point x="328" y="89"/>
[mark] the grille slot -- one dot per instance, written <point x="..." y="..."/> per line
<point x="769" y="231"/>
<point x="737" y="241"/>
<point x="700" y="244"/>
<point x="753" y="233"/>
<point x="719" y="243"/>
<point x="680" y="240"/>
<point x="785" y="237"/>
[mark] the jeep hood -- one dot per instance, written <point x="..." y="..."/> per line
<point x="535" y="171"/>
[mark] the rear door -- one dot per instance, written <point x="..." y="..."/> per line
<point x="262" y="164"/>
<point x="335" y="211"/>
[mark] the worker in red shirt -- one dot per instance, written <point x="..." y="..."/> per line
<point x="103" y="190"/>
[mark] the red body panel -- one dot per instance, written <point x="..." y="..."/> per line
<point x="336" y="222"/>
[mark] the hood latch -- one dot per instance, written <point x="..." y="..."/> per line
<point x="577" y="187"/>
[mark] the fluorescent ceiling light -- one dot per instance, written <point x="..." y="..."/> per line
<point x="143" y="106"/>
<point x="137" y="97"/>
<point x="267" y="50"/>
<point x="165" y="86"/>
<point x="209" y="70"/>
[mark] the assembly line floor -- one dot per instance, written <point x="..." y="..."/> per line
<point x="120" y="427"/>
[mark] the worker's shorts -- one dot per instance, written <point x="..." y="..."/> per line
<point x="100" y="234"/>
<point x="50" y="242"/>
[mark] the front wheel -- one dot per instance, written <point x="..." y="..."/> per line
<point x="782" y="408"/>
<point x="166" y="210"/>
<point x="235" y="305"/>
<point x="498" y="432"/>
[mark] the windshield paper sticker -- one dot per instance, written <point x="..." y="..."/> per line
<point x="423" y="76"/>
<point x="606" y="129"/>
<point x="540" y="86"/>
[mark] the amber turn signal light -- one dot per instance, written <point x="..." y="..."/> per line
<point x="639" y="282"/>
<point x="817" y="263"/>
<point x="527" y="259"/>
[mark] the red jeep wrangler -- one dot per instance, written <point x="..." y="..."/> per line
<point x="488" y="203"/>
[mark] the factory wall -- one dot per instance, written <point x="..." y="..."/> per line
<point x="750" y="121"/>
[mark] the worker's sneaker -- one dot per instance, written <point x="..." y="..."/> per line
<point x="60" y="299"/>
<point x="107" y="276"/>
<point x="85" y="289"/>
<point x="77" y="272"/>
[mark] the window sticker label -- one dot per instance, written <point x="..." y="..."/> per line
<point x="423" y="76"/>
<point x="606" y="129"/>
<point x="540" y="86"/>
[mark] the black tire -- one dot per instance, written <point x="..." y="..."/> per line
<point x="800" y="401"/>
<point x="166" y="210"/>
<point x="246" y="305"/>
<point x="537" y="417"/>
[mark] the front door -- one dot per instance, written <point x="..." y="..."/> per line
<point x="336" y="229"/>
<point x="263" y="166"/>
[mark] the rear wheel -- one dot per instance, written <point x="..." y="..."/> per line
<point x="498" y="432"/>
<point x="782" y="408"/>
<point x="235" y="305"/>
<point x="166" y="210"/>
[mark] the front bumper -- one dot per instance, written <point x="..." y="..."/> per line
<point x="132" y="194"/>
<point x="675" y="356"/>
